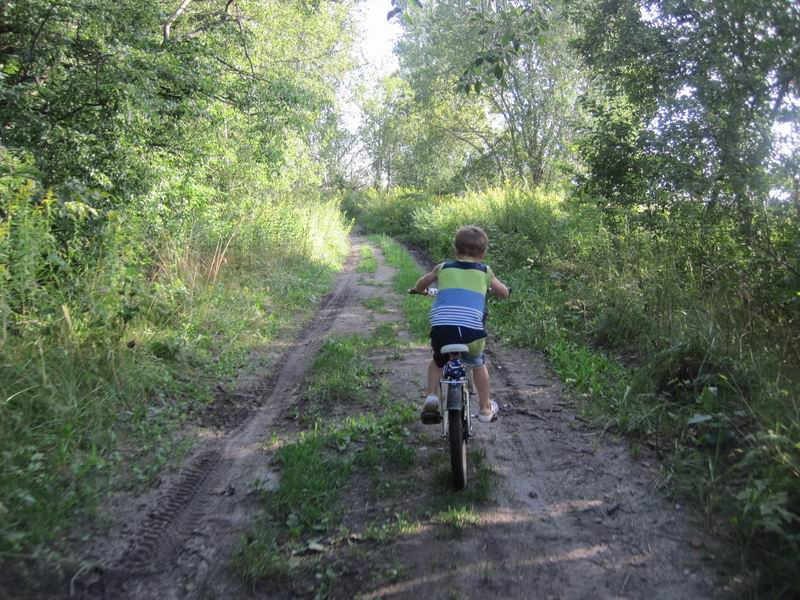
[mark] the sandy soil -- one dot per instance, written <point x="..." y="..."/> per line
<point x="572" y="514"/>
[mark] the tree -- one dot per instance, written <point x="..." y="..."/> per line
<point x="105" y="93"/>
<point x="516" y="62"/>
<point x="704" y="83"/>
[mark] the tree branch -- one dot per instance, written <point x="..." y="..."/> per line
<point x="174" y="17"/>
<point x="223" y="17"/>
<point x="35" y="41"/>
<point x="244" y="43"/>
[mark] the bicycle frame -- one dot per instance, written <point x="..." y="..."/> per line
<point x="467" y="390"/>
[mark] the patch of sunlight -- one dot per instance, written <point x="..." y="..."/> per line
<point x="576" y="554"/>
<point x="562" y="508"/>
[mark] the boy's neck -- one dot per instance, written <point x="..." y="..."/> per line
<point x="469" y="258"/>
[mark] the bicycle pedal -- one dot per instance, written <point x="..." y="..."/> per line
<point x="430" y="418"/>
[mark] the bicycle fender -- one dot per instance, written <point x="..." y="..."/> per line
<point x="454" y="401"/>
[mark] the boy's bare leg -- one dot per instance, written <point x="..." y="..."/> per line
<point x="434" y="375"/>
<point x="481" y="378"/>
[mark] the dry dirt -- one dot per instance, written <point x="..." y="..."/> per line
<point x="571" y="514"/>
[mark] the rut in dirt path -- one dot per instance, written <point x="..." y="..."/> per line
<point x="187" y="529"/>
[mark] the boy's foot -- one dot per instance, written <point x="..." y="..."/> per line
<point x="430" y="411"/>
<point x="491" y="415"/>
<point x="431" y="403"/>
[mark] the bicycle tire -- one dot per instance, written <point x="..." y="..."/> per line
<point x="458" y="443"/>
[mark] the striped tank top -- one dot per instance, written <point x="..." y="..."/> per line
<point x="462" y="294"/>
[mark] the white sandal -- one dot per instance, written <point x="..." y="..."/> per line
<point x="490" y="417"/>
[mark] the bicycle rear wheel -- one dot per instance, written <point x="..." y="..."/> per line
<point x="458" y="443"/>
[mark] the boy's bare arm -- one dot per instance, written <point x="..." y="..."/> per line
<point x="499" y="288"/>
<point x="426" y="280"/>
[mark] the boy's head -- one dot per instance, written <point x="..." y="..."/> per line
<point x="471" y="241"/>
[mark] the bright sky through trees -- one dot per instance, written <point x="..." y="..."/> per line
<point x="377" y="37"/>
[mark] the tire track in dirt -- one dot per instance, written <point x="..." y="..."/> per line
<point x="188" y="530"/>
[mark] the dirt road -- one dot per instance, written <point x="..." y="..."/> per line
<point x="570" y="515"/>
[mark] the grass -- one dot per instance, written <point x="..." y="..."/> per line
<point x="401" y="524"/>
<point x="456" y="519"/>
<point x="375" y="304"/>
<point x="343" y="372"/>
<point x="63" y="467"/>
<point x="367" y="262"/>
<point x="106" y="357"/>
<point x="414" y="308"/>
<point x="322" y="462"/>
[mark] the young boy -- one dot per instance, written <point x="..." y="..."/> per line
<point x="457" y="314"/>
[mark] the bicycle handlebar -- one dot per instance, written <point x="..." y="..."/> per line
<point x="434" y="291"/>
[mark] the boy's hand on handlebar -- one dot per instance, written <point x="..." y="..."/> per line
<point x="426" y="292"/>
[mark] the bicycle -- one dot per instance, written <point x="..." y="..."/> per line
<point x="457" y="427"/>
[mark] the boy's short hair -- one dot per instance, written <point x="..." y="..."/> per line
<point x="471" y="241"/>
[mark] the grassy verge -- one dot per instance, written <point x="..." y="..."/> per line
<point x="415" y="308"/>
<point x="660" y="334"/>
<point x="367" y="263"/>
<point x="106" y="350"/>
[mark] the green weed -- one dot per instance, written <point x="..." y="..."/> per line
<point x="415" y="308"/>
<point x="261" y="556"/>
<point x="109" y="347"/>
<point x="367" y="263"/>
<point x="387" y="574"/>
<point x="342" y="372"/>
<point x="456" y="519"/>
<point x="402" y="524"/>
<point x="376" y="304"/>
<point x="311" y="477"/>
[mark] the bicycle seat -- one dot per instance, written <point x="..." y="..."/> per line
<point x="451" y="348"/>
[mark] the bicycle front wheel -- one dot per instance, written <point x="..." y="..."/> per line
<point x="458" y="443"/>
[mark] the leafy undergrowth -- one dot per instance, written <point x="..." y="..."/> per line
<point x="662" y="334"/>
<point x="107" y="350"/>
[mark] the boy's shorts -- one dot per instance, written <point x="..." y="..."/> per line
<point x="475" y="339"/>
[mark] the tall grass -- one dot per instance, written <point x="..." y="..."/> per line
<point x="677" y="334"/>
<point x="113" y="326"/>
